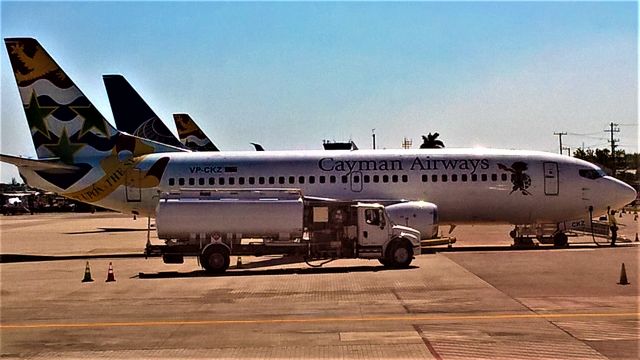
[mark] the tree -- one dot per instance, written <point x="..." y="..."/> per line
<point x="431" y="142"/>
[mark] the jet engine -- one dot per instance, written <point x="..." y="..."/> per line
<point x="419" y="215"/>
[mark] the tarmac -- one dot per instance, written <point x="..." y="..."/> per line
<point x="479" y="299"/>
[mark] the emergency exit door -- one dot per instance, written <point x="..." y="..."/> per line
<point x="551" y="182"/>
<point x="355" y="178"/>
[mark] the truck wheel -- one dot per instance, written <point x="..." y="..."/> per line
<point x="215" y="259"/>
<point x="399" y="254"/>
<point x="560" y="239"/>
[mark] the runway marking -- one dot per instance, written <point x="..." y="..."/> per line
<point x="315" y="320"/>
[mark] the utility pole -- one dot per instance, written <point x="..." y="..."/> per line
<point x="560" y="138"/>
<point x="568" y="150"/>
<point x="373" y="136"/>
<point x="613" y="129"/>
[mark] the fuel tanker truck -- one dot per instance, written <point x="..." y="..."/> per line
<point x="215" y="224"/>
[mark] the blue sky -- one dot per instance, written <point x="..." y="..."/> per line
<point x="289" y="75"/>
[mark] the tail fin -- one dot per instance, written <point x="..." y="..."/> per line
<point x="64" y="124"/>
<point x="133" y="115"/>
<point x="191" y="135"/>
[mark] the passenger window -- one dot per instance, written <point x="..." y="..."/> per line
<point x="211" y="181"/>
<point x="474" y="177"/>
<point x="272" y="180"/>
<point x="425" y="178"/>
<point x="405" y="178"/>
<point x="454" y="177"/>
<point x="385" y="178"/>
<point x="464" y="177"/>
<point x="200" y="181"/>
<point x="232" y="181"/>
<point x="345" y="179"/>
<point x="444" y="178"/>
<point x="376" y="178"/>
<point x="504" y="177"/>
<point x="252" y="180"/>
<point x="394" y="178"/>
<point x="292" y="180"/>
<point x="484" y="177"/>
<point x="192" y="181"/>
<point x="281" y="180"/>
<point x="172" y="181"/>
<point x="332" y="179"/>
<point x="181" y="181"/>
<point x="494" y="177"/>
<point x="261" y="180"/>
<point x="301" y="179"/>
<point x="356" y="179"/>
<point x="323" y="179"/>
<point x="221" y="181"/>
<point x="367" y="179"/>
<point x="241" y="180"/>
<point x="312" y="179"/>
<point x="434" y="178"/>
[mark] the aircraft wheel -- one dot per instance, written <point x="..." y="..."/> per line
<point x="215" y="259"/>
<point x="384" y="262"/>
<point x="560" y="239"/>
<point x="399" y="254"/>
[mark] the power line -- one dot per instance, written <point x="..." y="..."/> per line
<point x="585" y="134"/>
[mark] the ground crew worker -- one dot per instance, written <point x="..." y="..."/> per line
<point x="613" y="226"/>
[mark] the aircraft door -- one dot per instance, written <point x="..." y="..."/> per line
<point x="132" y="184"/>
<point x="551" y="181"/>
<point x="355" y="178"/>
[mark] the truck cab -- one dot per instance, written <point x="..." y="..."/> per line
<point x="394" y="245"/>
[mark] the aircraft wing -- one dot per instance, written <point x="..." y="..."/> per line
<point x="41" y="164"/>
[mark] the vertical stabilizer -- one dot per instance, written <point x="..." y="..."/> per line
<point x="82" y="156"/>
<point x="191" y="135"/>
<point x="64" y="124"/>
<point x="133" y="115"/>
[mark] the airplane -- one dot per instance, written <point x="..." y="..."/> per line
<point x="194" y="138"/>
<point x="132" y="114"/>
<point x="191" y="135"/>
<point x="82" y="157"/>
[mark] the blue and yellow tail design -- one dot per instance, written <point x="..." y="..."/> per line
<point x="74" y="143"/>
<point x="64" y="124"/>
<point x="191" y="135"/>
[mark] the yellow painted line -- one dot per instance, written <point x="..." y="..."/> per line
<point x="312" y="320"/>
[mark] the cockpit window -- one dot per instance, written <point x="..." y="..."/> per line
<point x="591" y="173"/>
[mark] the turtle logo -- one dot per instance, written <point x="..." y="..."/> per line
<point x="519" y="179"/>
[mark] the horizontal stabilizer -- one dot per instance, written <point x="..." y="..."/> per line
<point x="41" y="164"/>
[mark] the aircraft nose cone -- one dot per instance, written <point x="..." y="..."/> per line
<point x="623" y="194"/>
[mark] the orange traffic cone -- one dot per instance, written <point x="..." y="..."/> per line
<point x="110" y="276"/>
<point x="623" y="276"/>
<point x="87" y="274"/>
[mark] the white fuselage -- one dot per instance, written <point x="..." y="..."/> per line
<point x="467" y="185"/>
